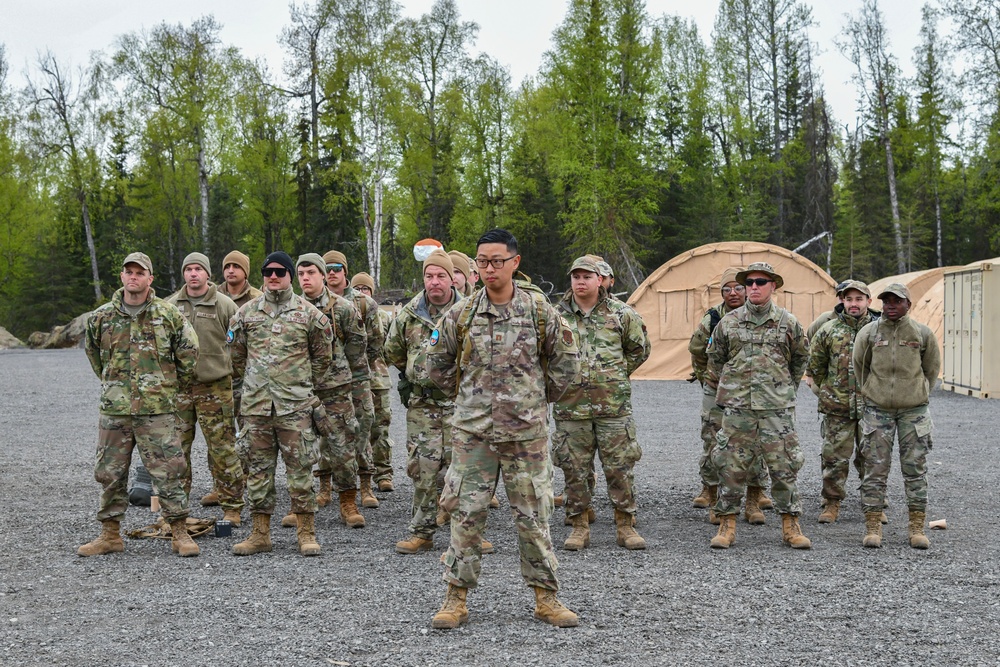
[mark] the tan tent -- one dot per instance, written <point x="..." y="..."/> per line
<point x="926" y="296"/>
<point x="674" y="298"/>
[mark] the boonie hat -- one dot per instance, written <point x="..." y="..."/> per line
<point x="856" y="285"/>
<point x="760" y="267"/>
<point x="140" y="258"/>
<point x="898" y="289"/>
<point x="585" y="263"/>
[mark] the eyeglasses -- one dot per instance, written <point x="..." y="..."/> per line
<point x="277" y="271"/>
<point x="336" y="268"/>
<point x="739" y="289"/>
<point x="482" y="262"/>
<point x="759" y="282"/>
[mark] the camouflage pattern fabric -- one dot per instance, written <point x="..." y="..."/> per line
<point x="408" y="340"/>
<point x="428" y="455"/>
<point x="380" y="440"/>
<point x="711" y="422"/>
<point x="831" y="366"/>
<point x="468" y="487"/>
<point x="349" y="340"/>
<point x="879" y="428"/>
<point x="337" y="456"/>
<point x="841" y="438"/>
<point x="374" y="336"/>
<point x="248" y="294"/>
<point x="364" y="410"/>
<point x="574" y="445"/>
<point x="158" y="440"/>
<point x="292" y="434"/>
<point x="819" y="322"/>
<point x="698" y="346"/>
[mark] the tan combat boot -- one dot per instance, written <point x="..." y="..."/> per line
<point x="701" y="500"/>
<point x="442" y="516"/>
<point x="180" y="542"/>
<point x="325" y="494"/>
<point x="548" y="608"/>
<point x="368" y="498"/>
<point x="752" y="512"/>
<point x="233" y="517"/>
<point x="830" y="512"/>
<point x="260" y="537"/>
<point x="385" y="485"/>
<point x="580" y="537"/>
<point x="413" y="545"/>
<point x="918" y="540"/>
<point x="627" y="537"/>
<point x="210" y="499"/>
<point x="791" y="533"/>
<point x="727" y="532"/>
<point x="349" y="513"/>
<point x="485" y="547"/>
<point x="713" y="496"/>
<point x="454" y="611"/>
<point x="590" y="514"/>
<point x="873" y="530"/>
<point x="558" y="500"/>
<point x="108" y="542"/>
<point x="308" y="546"/>
<point x="289" y="520"/>
<point x="764" y="501"/>
<point x="494" y="503"/>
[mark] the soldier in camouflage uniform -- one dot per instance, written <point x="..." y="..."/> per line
<point x="505" y="352"/>
<point x="282" y="347"/>
<point x="462" y="272"/>
<point x="755" y="362"/>
<point x="733" y="297"/>
<point x="361" y="389"/>
<point x="833" y="381"/>
<point x="827" y="316"/>
<point x="236" y="271"/>
<point x="896" y="361"/>
<point x="595" y="414"/>
<point x="208" y="401"/>
<point x="143" y="351"/>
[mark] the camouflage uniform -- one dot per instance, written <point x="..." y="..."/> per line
<point x="337" y="455"/>
<point x="595" y="413"/>
<point x="208" y="401"/>
<point x="361" y="389"/>
<point x="500" y="421"/>
<point x="142" y="361"/>
<point x="428" y="411"/>
<point x="711" y="413"/>
<point x="820" y="321"/>
<point x="381" y="384"/>
<point x="282" y="348"/>
<point x="755" y="362"/>
<point x="896" y="364"/>
<point x="832" y="371"/>
<point x="248" y="294"/>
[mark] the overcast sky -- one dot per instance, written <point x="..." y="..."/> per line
<point x="516" y="32"/>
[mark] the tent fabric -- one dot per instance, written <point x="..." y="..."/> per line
<point x="674" y="298"/>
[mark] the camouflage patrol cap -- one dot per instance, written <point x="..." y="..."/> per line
<point x="842" y="285"/>
<point x="760" y="267"/>
<point x="855" y="285"/>
<point x="140" y="258"/>
<point x="585" y="263"/>
<point x="605" y="269"/>
<point x="899" y="289"/>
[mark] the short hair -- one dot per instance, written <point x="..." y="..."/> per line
<point x="499" y="236"/>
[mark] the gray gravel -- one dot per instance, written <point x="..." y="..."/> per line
<point x="679" y="602"/>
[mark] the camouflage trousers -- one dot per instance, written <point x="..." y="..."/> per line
<point x="364" y="410"/>
<point x="428" y="455"/>
<point x="294" y="437"/>
<point x="749" y="434"/>
<point x="337" y="456"/>
<point x="380" y="440"/>
<point x="210" y="405"/>
<point x="157" y="438"/>
<point x="878" y="431"/>
<point x="468" y="487"/>
<point x="711" y="422"/>
<point x="611" y="438"/>
<point x="841" y="439"/>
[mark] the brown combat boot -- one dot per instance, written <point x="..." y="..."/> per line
<point x="413" y="545"/>
<point x="727" y="532"/>
<point x="289" y="520"/>
<point x="233" y="517"/>
<point x="368" y="498"/>
<point x="454" y="611"/>
<point x="325" y="494"/>
<point x="791" y="533"/>
<point x="180" y="542"/>
<point x="349" y="513"/>
<point x="590" y="514"/>
<point x="558" y="500"/>
<point x="485" y="547"/>
<point x="830" y="512"/>
<point x="918" y="540"/>
<point x="752" y="511"/>
<point x="580" y="537"/>
<point x="210" y="499"/>
<point x="713" y="497"/>
<point x="260" y="537"/>
<point x="108" y="542"/>
<point x="764" y="501"/>
<point x="548" y="608"/>
<point x="873" y="530"/>
<point x="701" y="501"/>
<point x="385" y="485"/>
<point x="308" y="546"/>
<point x="442" y="516"/>
<point x="627" y="537"/>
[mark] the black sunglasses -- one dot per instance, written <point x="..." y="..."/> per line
<point x="336" y="268"/>
<point x="278" y="271"/>
<point x="759" y="282"/>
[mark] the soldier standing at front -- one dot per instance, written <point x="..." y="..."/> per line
<point x="896" y="361"/>
<point x="755" y="362"/>
<point x="282" y="348"/>
<point x="143" y="350"/>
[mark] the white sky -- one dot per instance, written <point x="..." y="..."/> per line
<point x="516" y="32"/>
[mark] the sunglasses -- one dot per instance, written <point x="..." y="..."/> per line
<point x="280" y="272"/>
<point x="336" y="268"/>
<point x="759" y="282"/>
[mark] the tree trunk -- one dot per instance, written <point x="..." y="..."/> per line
<point x="89" y="233"/>
<point x="203" y="191"/>
<point x="937" y="215"/>
<point x="894" y="200"/>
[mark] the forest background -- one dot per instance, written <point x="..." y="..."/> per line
<point x="638" y="138"/>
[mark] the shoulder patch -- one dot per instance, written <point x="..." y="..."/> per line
<point x="434" y="337"/>
<point x="230" y="336"/>
<point x="567" y="337"/>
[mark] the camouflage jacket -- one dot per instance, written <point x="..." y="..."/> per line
<point x="142" y="361"/>
<point x="210" y="319"/>
<point x="348" y="339"/>
<point x="249" y="293"/>
<point x="507" y="375"/>
<point x="756" y="358"/>
<point x="613" y="343"/>
<point x="374" y="336"/>
<point x="831" y="366"/>
<point x="700" y="339"/>
<point x="283" y="350"/>
<point x="406" y="347"/>
<point x="823" y="319"/>
<point x="384" y="382"/>
<point x="897" y="363"/>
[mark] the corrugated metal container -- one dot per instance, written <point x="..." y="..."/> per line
<point x="972" y="329"/>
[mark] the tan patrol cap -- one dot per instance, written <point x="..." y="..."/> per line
<point x="899" y="289"/>
<point x="855" y="285"/>
<point x="140" y="258"/>
<point x="760" y="267"/>
<point x="585" y="263"/>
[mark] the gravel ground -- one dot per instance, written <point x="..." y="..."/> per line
<point x="678" y="602"/>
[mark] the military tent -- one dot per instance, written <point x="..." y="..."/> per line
<point x="674" y="298"/>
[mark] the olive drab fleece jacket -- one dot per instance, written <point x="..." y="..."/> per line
<point x="210" y="319"/>
<point x="896" y="363"/>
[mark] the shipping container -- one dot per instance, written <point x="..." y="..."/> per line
<point x="972" y="329"/>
